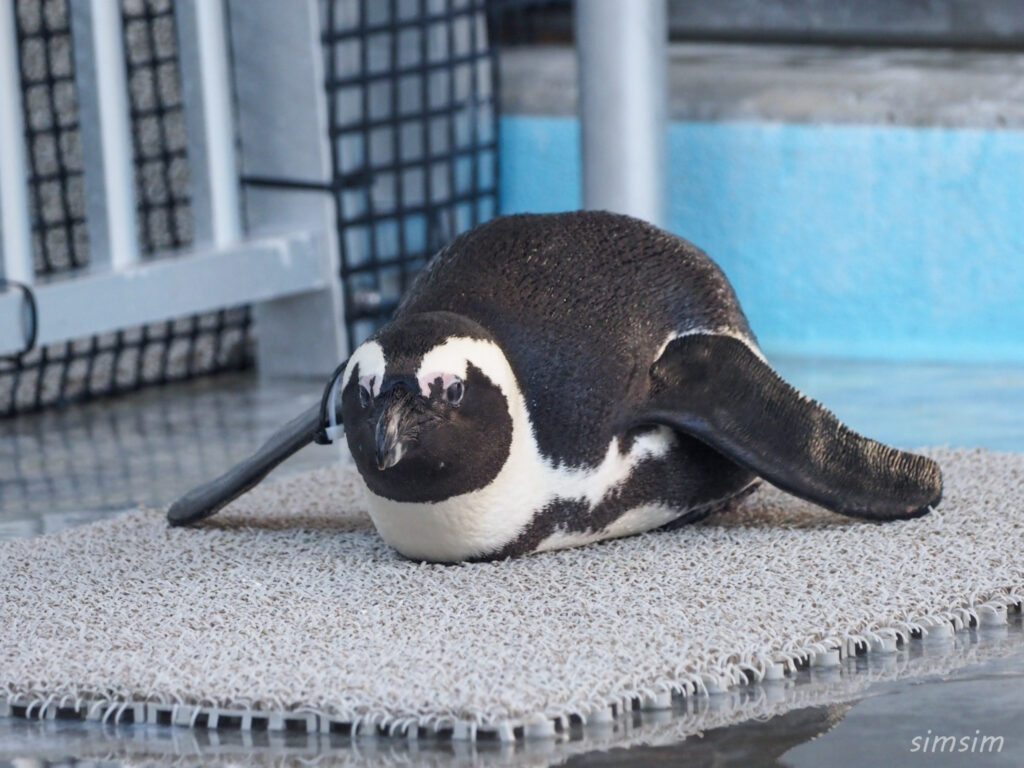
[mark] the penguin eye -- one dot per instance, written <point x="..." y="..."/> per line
<point x="365" y="398"/>
<point x="453" y="394"/>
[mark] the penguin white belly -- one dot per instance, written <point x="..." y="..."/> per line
<point x="642" y="518"/>
<point x="486" y="520"/>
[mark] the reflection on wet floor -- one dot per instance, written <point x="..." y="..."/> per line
<point x="156" y="745"/>
<point x="779" y="722"/>
<point x="61" y="468"/>
<point x="64" y="468"/>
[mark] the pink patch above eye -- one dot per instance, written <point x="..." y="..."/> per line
<point x="426" y="380"/>
<point x="371" y="384"/>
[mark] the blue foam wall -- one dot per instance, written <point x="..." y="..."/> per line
<point x="848" y="241"/>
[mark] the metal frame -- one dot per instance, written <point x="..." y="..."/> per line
<point x="219" y="123"/>
<point x="100" y="301"/>
<point x="622" y="48"/>
<point x="413" y="125"/>
<point x="282" y="120"/>
<point x="286" y="265"/>
<point x="115" y="133"/>
<point x="288" y="172"/>
<point x="15" y="224"/>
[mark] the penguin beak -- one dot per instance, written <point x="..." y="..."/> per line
<point x="389" y="451"/>
<point x="391" y="432"/>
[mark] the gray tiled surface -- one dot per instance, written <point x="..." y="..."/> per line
<point x="62" y="467"/>
<point x="797" y="84"/>
<point x="68" y="467"/>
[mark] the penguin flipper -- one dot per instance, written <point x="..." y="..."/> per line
<point x="310" y="426"/>
<point x="208" y="499"/>
<point x="717" y="389"/>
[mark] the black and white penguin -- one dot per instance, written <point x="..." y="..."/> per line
<point x="554" y="380"/>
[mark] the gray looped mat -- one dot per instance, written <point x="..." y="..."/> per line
<point x="288" y="611"/>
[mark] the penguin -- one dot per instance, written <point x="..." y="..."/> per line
<point x="553" y="380"/>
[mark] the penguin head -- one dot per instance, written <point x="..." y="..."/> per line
<point x="426" y="408"/>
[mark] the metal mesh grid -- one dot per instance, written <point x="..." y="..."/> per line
<point x="126" y="360"/>
<point x="132" y="358"/>
<point x="163" y="212"/>
<point x="411" y="99"/>
<point x="53" y="141"/>
<point x="411" y="91"/>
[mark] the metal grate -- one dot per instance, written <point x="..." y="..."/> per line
<point x="164" y="212"/>
<point x="53" y="141"/>
<point x="132" y="358"/>
<point x="411" y="98"/>
<point x="126" y="360"/>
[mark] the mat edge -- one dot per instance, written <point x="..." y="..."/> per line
<point x="728" y="675"/>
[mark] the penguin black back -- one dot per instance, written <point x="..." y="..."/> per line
<point x="580" y="303"/>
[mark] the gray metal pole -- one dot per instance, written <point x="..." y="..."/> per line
<point x="283" y="122"/>
<point x="15" y="222"/>
<point x="622" y="52"/>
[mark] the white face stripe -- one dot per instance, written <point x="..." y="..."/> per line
<point x="370" y="357"/>
<point x="453" y="355"/>
<point x="445" y="361"/>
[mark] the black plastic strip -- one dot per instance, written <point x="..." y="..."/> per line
<point x="29" y="318"/>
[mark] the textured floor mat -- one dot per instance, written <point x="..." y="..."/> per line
<point x="287" y="611"/>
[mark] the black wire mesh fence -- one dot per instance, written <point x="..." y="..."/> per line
<point x="53" y="141"/>
<point x="411" y="96"/>
<point x="131" y="358"/>
<point x="163" y="203"/>
<point x="411" y="88"/>
<point x="531" y="22"/>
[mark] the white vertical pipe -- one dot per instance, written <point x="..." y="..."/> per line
<point x="115" y="132"/>
<point x="622" y="49"/>
<point x="15" y="223"/>
<point x="214" y="68"/>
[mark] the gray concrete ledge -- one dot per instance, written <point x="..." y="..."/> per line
<point x="713" y="81"/>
